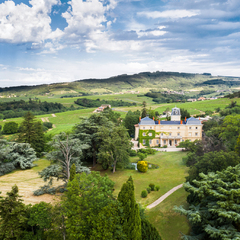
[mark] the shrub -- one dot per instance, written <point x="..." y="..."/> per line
<point x="156" y="188"/>
<point x="47" y="125"/>
<point x="152" y="186"/>
<point x="148" y="189"/>
<point x="10" y="128"/>
<point x="144" y="194"/>
<point x="142" y="166"/>
<point x="150" y="151"/>
<point x="132" y="153"/>
<point x="165" y="146"/>
<point x="130" y="166"/>
<point x="141" y="155"/>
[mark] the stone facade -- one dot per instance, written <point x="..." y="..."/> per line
<point x="170" y="133"/>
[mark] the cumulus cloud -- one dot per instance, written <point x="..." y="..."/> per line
<point x="21" y="23"/>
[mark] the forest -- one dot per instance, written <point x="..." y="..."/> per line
<point x="14" y="109"/>
<point x="89" y="103"/>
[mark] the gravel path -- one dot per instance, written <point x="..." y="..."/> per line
<point x="154" y="204"/>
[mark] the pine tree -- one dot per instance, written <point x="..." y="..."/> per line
<point x="217" y="214"/>
<point x="13" y="216"/>
<point x="131" y="216"/>
<point x="31" y="132"/>
<point x="149" y="232"/>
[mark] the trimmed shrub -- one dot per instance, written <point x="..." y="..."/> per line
<point x="132" y="153"/>
<point x="130" y="166"/>
<point x="141" y="155"/>
<point x="152" y="186"/>
<point x="144" y="194"/>
<point x="165" y="146"/>
<point x="148" y="189"/>
<point x="157" y="188"/>
<point x="142" y="166"/>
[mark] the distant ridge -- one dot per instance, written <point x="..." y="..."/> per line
<point x="135" y="82"/>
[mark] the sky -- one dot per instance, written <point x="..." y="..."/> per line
<point x="49" y="41"/>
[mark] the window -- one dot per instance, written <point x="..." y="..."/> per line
<point x="178" y="134"/>
<point x="196" y="128"/>
<point x="150" y="134"/>
<point x="175" y="142"/>
<point x="143" y="127"/>
<point x="190" y="127"/>
<point x="150" y="141"/>
<point x="157" y="141"/>
<point x="161" y="134"/>
<point x="196" y="134"/>
<point x="144" y="134"/>
<point x="150" y="127"/>
<point x="144" y="141"/>
<point x="164" y="141"/>
<point x="178" y="128"/>
<point x="170" y="134"/>
<point x="182" y="140"/>
<point x="189" y="134"/>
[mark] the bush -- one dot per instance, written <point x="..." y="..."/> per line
<point x="144" y="194"/>
<point x="130" y="166"/>
<point x="142" y="166"/>
<point x="150" y="151"/>
<point x="105" y="166"/>
<point x="156" y="188"/>
<point x="47" y="125"/>
<point x="152" y="186"/>
<point x="141" y="155"/>
<point x="132" y="153"/>
<point x="165" y="146"/>
<point x="148" y="189"/>
<point x="10" y="128"/>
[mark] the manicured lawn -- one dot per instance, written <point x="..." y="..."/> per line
<point x="169" y="223"/>
<point x="171" y="172"/>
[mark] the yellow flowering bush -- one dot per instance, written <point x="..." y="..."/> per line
<point x="142" y="166"/>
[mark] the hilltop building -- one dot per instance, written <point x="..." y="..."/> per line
<point x="170" y="133"/>
<point x="100" y="109"/>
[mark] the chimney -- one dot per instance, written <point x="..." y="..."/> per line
<point x="185" y="119"/>
<point x="181" y="121"/>
<point x="153" y="118"/>
<point x="199" y="118"/>
<point x="159" y="122"/>
<point x="139" y="119"/>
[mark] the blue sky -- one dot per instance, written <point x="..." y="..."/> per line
<point x="47" y="41"/>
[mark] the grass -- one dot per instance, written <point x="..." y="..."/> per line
<point x="27" y="181"/>
<point x="169" y="223"/>
<point x="171" y="172"/>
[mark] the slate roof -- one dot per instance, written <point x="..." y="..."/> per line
<point x="193" y="121"/>
<point x="147" y="121"/>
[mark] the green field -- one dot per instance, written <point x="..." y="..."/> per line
<point x="64" y="121"/>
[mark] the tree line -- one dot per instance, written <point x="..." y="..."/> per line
<point x="90" y="103"/>
<point x="213" y="180"/>
<point x="14" y="109"/>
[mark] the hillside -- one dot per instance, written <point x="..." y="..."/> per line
<point x="141" y="82"/>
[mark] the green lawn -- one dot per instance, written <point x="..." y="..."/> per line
<point x="166" y="220"/>
<point x="171" y="172"/>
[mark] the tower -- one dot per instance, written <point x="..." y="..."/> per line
<point x="176" y="114"/>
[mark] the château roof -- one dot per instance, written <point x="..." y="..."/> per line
<point x="147" y="121"/>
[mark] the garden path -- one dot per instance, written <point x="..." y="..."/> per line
<point x="163" y="197"/>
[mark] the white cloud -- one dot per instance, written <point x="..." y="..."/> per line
<point x="169" y="14"/>
<point x="21" y="23"/>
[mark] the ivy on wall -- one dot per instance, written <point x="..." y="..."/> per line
<point x="147" y="137"/>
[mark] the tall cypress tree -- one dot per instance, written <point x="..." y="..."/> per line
<point x="31" y="132"/>
<point x="131" y="216"/>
